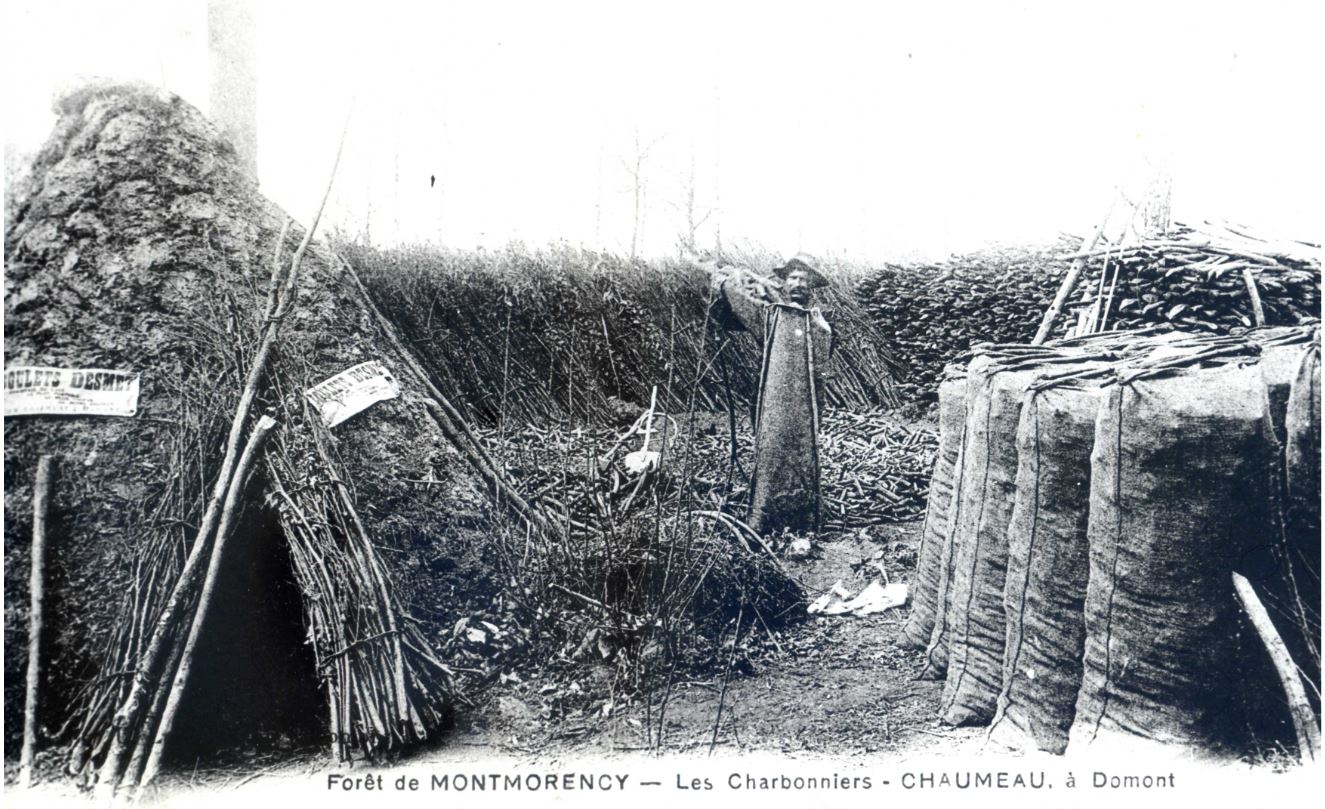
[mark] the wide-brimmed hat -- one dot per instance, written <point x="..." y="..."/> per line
<point x="804" y="262"/>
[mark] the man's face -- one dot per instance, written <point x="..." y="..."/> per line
<point x="797" y="287"/>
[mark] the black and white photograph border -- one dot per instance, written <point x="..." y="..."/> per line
<point x="591" y="402"/>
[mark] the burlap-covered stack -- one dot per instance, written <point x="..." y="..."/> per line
<point x="1179" y="492"/>
<point x="1047" y="566"/>
<point x="1109" y="486"/>
<point x="936" y="535"/>
<point x="974" y="622"/>
<point x="927" y="626"/>
<point x="1298" y="609"/>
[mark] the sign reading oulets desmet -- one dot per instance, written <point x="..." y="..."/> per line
<point x="36" y="391"/>
<point x="351" y="391"/>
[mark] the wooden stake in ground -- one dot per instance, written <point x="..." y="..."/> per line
<point x="1305" y="723"/>
<point x="41" y="492"/>
<point x="228" y="515"/>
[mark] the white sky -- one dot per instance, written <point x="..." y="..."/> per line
<point x="859" y="130"/>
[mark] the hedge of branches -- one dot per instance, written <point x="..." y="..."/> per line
<point x="565" y="333"/>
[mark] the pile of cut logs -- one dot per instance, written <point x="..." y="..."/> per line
<point x="874" y="470"/>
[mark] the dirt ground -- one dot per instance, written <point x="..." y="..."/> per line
<point x="830" y="684"/>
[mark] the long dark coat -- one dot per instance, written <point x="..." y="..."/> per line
<point x="784" y="491"/>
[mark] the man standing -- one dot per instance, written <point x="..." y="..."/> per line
<point x="797" y="343"/>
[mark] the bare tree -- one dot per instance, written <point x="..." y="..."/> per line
<point x="368" y="197"/>
<point x="635" y="168"/>
<point x="694" y="219"/>
<point x="717" y="224"/>
<point x="598" y="200"/>
<point x="395" y="179"/>
<point x="717" y="170"/>
<point x="1156" y="207"/>
<point x="232" y="67"/>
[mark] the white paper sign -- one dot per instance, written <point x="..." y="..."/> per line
<point x="351" y="391"/>
<point x="39" y="391"/>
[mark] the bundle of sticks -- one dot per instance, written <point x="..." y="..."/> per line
<point x="385" y="687"/>
<point x="157" y="562"/>
<point x="164" y="636"/>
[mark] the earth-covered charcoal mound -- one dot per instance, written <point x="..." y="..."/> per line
<point x="139" y="244"/>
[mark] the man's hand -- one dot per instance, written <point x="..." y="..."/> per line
<point x="756" y="286"/>
<point x="740" y="281"/>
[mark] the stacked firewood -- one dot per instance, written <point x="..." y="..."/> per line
<point x="1187" y="279"/>
<point x="1197" y="280"/>
<point x="930" y="313"/>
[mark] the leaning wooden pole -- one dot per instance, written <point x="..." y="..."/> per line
<point x="1070" y="281"/>
<point x="41" y="494"/>
<point x="228" y="515"/>
<point x="452" y="424"/>
<point x="1257" y="308"/>
<point x="1304" y="719"/>
<point x="145" y="679"/>
<point x="133" y="771"/>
